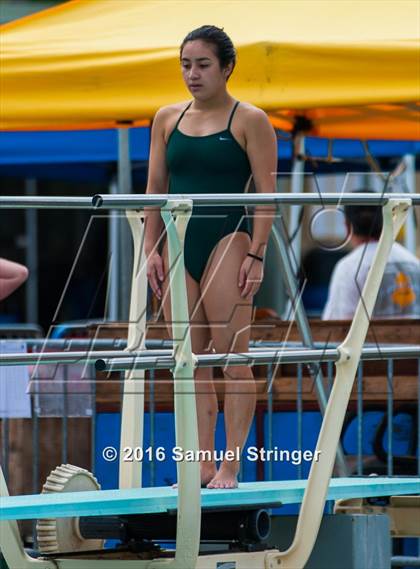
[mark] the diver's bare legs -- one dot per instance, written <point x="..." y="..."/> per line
<point x="220" y="318"/>
<point x="229" y="317"/>
<point x="207" y="406"/>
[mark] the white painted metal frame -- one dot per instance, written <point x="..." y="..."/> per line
<point x="310" y="515"/>
<point x="132" y="413"/>
<point x="11" y="543"/>
<point x="189" y="504"/>
<point x="394" y="214"/>
<point x="186" y="430"/>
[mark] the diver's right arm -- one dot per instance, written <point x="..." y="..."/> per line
<point x="157" y="183"/>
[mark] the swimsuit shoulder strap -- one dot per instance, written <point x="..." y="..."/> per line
<point x="182" y="114"/>
<point x="231" y="115"/>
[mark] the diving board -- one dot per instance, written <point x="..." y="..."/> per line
<point x="163" y="499"/>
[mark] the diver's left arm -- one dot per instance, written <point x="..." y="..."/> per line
<point x="261" y="147"/>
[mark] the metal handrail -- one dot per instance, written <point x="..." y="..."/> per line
<point x="123" y="360"/>
<point x="140" y="201"/>
<point x="130" y="201"/>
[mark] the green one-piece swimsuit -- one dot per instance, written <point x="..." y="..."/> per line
<point x="212" y="164"/>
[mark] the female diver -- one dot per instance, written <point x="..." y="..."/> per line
<point x="214" y="144"/>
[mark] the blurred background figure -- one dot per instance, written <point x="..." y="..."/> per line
<point x="12" y="275"/>
<point x="399" y="295"/>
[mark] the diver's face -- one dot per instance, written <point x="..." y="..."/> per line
<point x="201" y="70"/>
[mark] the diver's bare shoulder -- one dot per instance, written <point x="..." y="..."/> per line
<point x="168" y="115"/>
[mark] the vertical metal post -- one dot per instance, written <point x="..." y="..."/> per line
<point x="31" y="255"/>
<point x="64" y="424"/>
<point x="270" y="416"/>
<point x="360" y="419"/>
<point x="390" y="401"/>
<point x="299" y="415"/>
<point x="410" y="224"/>
<point x="330" y="376"/>
<point x="93" y="420"/>
<point x="114" y="256"/>
<point x="5" y="447"/>
<point x="297" y="187"/>
<point x="418" y="421"/>
<point x="125" y="241"/>
<point x="35" y="445"/>
<point x="35" y="441"/>
<point x="122" y="376"/>
<point x="152" y="424"/>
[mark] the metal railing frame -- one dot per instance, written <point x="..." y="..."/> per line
<point x="395" y="210"/>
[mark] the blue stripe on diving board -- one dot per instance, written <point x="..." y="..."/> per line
<point x="162" y="499"/>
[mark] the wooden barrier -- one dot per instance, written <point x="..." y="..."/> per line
<point x="285" y="385"/>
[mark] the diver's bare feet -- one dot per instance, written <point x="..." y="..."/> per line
<point x="208" y="471"/>
<point x="226" y="477"/>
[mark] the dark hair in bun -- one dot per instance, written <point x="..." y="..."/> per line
<point x="213" y="35"/>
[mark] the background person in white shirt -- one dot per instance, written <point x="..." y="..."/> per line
<point x="399" y="294"/>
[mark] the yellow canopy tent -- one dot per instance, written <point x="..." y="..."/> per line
<point x="352" y="68"/>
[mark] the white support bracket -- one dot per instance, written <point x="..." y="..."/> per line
<point x="11" y="543"/>
<point x="132" y="412"/>
<point x="310" y="515"/>
<point x="186" y="430"/>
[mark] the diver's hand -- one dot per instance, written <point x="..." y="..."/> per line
<point x="250" y="277"/>
<point x="155" y="273"/>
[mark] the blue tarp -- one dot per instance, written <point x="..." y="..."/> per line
<point x="81" y="146"/>
<point x="92" y="154"/>
<point x="354" y="148"/>
<point x="76" y="156"/>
